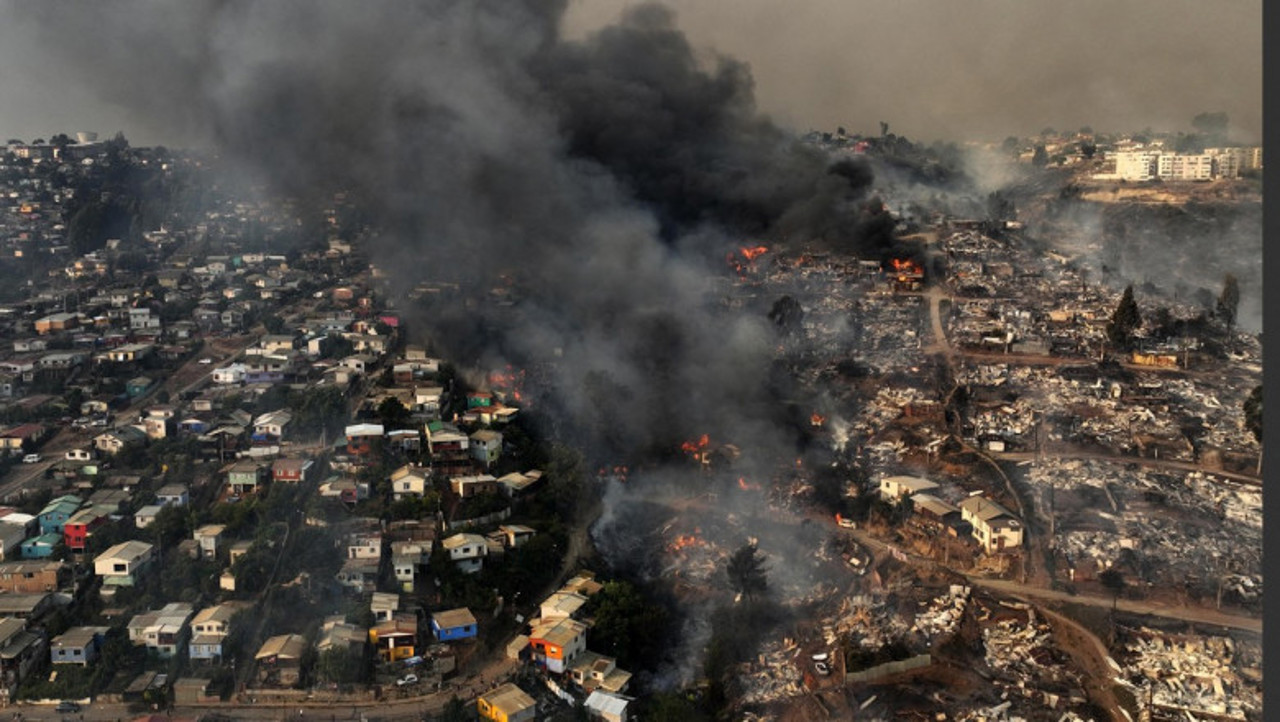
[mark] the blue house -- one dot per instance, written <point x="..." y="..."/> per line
<point x="54" y="515"/>
<point x="453" y="624"/>
<point x="40" y="547"/>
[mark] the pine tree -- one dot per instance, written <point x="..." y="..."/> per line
<point x="1229" y="300"/>
<point x="746" y="571"/>
<point x="1124" y="321"/>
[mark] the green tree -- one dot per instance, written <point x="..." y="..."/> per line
<point x="627" y="626"/>
<point x="1124" y="321"/>
<point x="1229" y="300"/>
<point x="747" y="572"/>
<point x="393" y="414"/>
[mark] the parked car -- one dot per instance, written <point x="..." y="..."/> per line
<point x="31" y="459"/>
<point x="848" y="523"/>
<point x="407" y="679"/>
<point x="822" y="668"/>
<point x="67" y="705"/>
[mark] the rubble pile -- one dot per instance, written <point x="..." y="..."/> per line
<point x="1200" y="527"/>
<point x="1192" y="674"/>
<point x="1019" y="649"/>
<point x="943" y="613"/>
<point x="773" y="676"/>
<point x="865" y="622"/>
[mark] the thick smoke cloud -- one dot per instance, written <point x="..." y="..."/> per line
<point x="603" y="175"/>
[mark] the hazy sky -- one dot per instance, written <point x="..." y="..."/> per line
<point x="933" y="69"/>
<point x="961" y="69"/>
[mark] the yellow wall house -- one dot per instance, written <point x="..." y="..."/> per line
<point x="507" y="703"/>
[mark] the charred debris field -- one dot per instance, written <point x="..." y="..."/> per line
<point x="910" y="468"/>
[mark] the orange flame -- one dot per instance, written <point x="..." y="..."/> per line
<point x="753" y="252"/>
<point x="685" y="541"/>
<point x="694" y="447"/>
<point x="905" y="268"/>
<point x="747" y="486"/>
<point x="817" y="419"/>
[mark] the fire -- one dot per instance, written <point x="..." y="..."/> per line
<point x="696" y="447"/>
<point x="906" y="268"/>
<point x="685" y="541"/>
<point x="749" y="253"/>
<point x="508" y="381"/>
<point x="817" y="419"/>
<point x="746" y="485"/>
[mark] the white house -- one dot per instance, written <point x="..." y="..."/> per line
<point x="121" y="565"/>
<point x="893" y="488"/>
<point x="232" y="374"/>
<point x="467" y="551"/>
<point x="409" y="480"/>
<point x="994" y="527"/>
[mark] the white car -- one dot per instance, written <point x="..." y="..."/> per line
<point x="206" y="361"/>
<point x="822" y="668"/>
<point x="847" y="523"/>
<point x="407" y="679"/>
<point x="31" y="459"/>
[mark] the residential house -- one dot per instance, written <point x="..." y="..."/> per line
<point x="77" y="645"/>
<point x="994" y="527"/>
<point x="359" y="575"/>
<point x="53" y="517"/>
<point x="40" y="547"/>
<point x="208" y="628"/>
<point x="933" y="514"/>
<point x="555" y="644"/>
<point x="28" y="607"/>
<point x="516" y="535"/>
<point x="893" y="488"/>
<point x="230" y="374"/>
<point x="335" y="632"/>
<point x="365" y="546"/>
<point x="453" y="624"/>
<point x="244" y="477"/>
<point x="395" y="639"/>
<point x="207" y="538"/>
<point x="517" y="483"/>
<point x="122" y="564"/>
<point x="280" y="660"/>
<point x="111" y="442"/>
<point x="21" y="650"/>
<point x="361" y="438"/>
<point x="32" y="577"/>
<point x="173" y="494"/>
<point x="507" y="703"/>
<point x="561" y="605"/>
<point x="269" y="428"/>
<point x="592" y="671"/>
<point x="162" y="630"/>
<point x="467" y="551"/>
<point x="486" y="447"/>
<point x="409" y="480"/>
<point x="145" y="516"/>
<point x="607" y="707"/>
<point x="80" y="525"/>
<point x="384" y="606"/>
<point x="466" y="487"/>
<point x="292" y="471"/>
